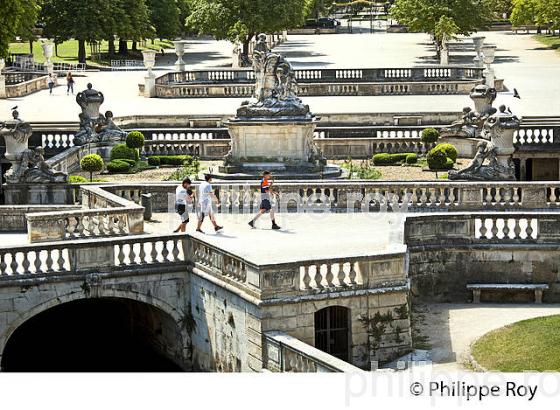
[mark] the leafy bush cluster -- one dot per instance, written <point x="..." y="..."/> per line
<point x="190" y="167"/>
<point x="135" y="140"/>
<point x="173" y="160"/>
<point x="429" y="135"/>
<point x="121" y="151"/>
<point x="91" y="163"/>
<point x="442" y="157"/>
<point x="393" y="159"/>
<point x="119" y="166"/>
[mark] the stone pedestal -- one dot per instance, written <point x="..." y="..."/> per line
<point x="283" y="147"/>
<point x="180" y="51"/>
<point x="150" y="86"/>
<point x="39" y="194"/>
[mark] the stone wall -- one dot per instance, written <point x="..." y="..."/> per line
<point x="12" y="218"/>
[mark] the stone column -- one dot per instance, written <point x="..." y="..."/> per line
<point x="180" y="51"/>
<point x="150" y="78"/>
<point x="2" y="79"/>
<point x="478" y="44"/>
<point x="444" y="53"/>
<point x="489" y="55"/>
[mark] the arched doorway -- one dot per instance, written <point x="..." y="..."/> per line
<point x="332" y="331"/>
<point x="103" y="334"/>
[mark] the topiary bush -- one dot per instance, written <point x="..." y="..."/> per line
<point x="121" y="151"/>
<point x="91" y="163"/>
<point x="118" y="166"/>
<point x="135" y="140"/>
<point x="389" y="159"/>
<point x="411" y="159"/>
<point x="436" y="159"/>
<point x="129" y="161"/>
<point x="449" y="164"/>
<point x="429" y="135"/>
<point x="154" y="161"/>
<point x="76" y="179"/>
<point x="449" y="150"/>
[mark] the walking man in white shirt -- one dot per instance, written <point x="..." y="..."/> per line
<point x="183" y="194"/>
<point x="205" y="198"/>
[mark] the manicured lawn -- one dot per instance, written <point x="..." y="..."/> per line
<point x="550" y="41"/>
<point x="532" y="344"/>
<point x="68" y="51"/>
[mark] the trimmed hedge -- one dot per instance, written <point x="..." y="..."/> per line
<point x="135" y="140"/>
<point x="449" y="150"/>
<point x="77" y="179"/>
<point x="175" y="160"/>
<point x="154" y="161"/>
<point x="389" y="159"/>
<point x="129" y="161"/>
<point x="436" y="159"/>
<point x="429" y="135"/>
<point x="411" y="159"/>
<point x="121" y="151"/>
<point x="118" y="166"/>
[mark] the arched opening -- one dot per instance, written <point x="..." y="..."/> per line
<point x="332" y="331"/>
<point x="103" y="334"/>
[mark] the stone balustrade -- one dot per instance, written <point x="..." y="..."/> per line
<point x="27" y="87"/>
<point x="366" y="196"/>
<point x="103" y="215"/>
<point x="80" y="256"/>
<point x="483" y="228"/>
<point x="284" y="353"/>
<point x="12" y="217"/>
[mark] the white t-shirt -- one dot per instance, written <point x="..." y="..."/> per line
<point x="181" y="195"/>
<point x="204" y="192"/>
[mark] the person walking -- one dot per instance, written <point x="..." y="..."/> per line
<point x="50" y="82"/>
<point x="266" y="206"/>
<point x="69" y="83"/>
<point x="205" y="198"/>
<point x="183" y="194"/>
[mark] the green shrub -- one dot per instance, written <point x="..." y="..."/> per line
<point x="411" y="159"/>
<point x="449" y="150"/>
<point x="389" y="159"/>
<point x="429" y="135"/>
<point x="191" y="167"/>
<point x="154" y="161"/>
<point x="91" y="163"/>
<point x="129" y="161"/>
<point x="176" y="160"/>
<point x="449" y="164"/>
<point x="118" y="166"/>
<point x="135" y="140"/>
<point x="436" y="159"/>
<point x="76" y="179"/>
<point x="121" y="151"/>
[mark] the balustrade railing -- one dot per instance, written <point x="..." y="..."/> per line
<point x="284" y="353"/>
<point x="105" y="254"/>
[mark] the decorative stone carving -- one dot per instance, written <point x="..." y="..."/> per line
<point x="275" y="87"/>
<point x="28" y="165"/>
<point x="471" y="123"/>
<point x="493" y="160"/>
<point x="94" y="126"/>
<point x="478" y="43"/>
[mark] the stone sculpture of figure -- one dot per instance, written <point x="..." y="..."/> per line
<point x="86" y="131"/>
<point x="32" y="167"/>
<point x="107" y="130"/>
<point x="275" y="86"/>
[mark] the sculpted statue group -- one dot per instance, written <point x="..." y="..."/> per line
<point x="28" y="164"/>
<point x="275" y="86"/>
<point x="94" y="126"/>
<point x="494" y="129"/>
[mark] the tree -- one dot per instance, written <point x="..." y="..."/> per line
<point x="241" y="20"/>
<point x="133" y="23"/>
<point x="526" y="12"/>
<point x="17" y="17"/>
<point x="91" y="163"/>
<point x="77" y="19"/>
<point x="424" y="15"/>
<point x="165" y="17"/>
<point x="317" y="8"/>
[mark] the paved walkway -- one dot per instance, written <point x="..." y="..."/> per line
<point x="302" y="237"/>
<point x="451" y="328"/>
<point x="521" y="60"/>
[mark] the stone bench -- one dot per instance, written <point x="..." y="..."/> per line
<point x="477" y="289"/>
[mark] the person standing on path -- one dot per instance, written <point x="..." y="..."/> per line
<point x="205" y="198"/>
<point x="266" y="206"/>
<point x="183" y="194"/>
<point x="50" y="82"/>
<point x="69" y="83"/>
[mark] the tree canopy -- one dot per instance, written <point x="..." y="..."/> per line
<point x="539" y="12"/>
<point x="17" y="17"/>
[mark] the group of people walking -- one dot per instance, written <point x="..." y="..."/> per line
<point x="52" y="80"/>
<point x="184" y="195"/>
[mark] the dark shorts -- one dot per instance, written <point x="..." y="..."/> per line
<point x="182" y="210"/>
<point x="265" y="205"/>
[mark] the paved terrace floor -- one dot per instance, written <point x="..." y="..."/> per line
<point x="302" y="237"/>
<point x="452" y="328"/>
<point x="522" y="61"/>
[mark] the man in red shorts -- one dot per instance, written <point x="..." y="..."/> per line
<point x="266" y="206"/>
